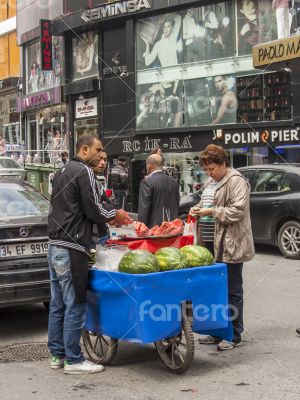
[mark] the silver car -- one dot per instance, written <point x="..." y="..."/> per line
<point x="10" y="167"/>
<point x="24" y="276"/>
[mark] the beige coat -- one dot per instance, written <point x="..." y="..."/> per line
<point x="233" y="233"/>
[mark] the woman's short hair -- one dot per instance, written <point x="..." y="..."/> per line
<point x="214" y="154"/>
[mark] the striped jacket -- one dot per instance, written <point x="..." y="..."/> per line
<point x="75" y="207"/>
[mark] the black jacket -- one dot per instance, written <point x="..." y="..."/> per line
<point x="119" y="178"/>
<point x="158" y="199"/>
<point x="75" y="206"/>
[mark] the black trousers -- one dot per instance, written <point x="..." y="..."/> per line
<point x="235" y="292"/>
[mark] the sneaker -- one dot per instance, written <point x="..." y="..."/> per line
<point x="57" y="363"/>
<point x="226" y="345"/>
<point x="85" y="367"/>
<point x="207" y="339"/>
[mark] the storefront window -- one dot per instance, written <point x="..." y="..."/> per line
<point x="264" y="97"/>
<point x="85" y="127"/>
<point x="85" y="55"/>
<point x="36" y="79"/>
<point x="10" y="138"/>
<point x="47" y="137"/>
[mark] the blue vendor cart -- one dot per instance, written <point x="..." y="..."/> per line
<point x="163" y="308"/>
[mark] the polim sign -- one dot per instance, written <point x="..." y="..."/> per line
<point x="283" y="135"/>
<point x="114" y="9"/>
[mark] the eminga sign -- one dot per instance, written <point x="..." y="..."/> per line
<point x="114" y="9"/>
<point x="276" y="51"/>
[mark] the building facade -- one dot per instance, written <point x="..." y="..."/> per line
<point x="41" y="103"/>
<point x="11" y="141"/>
<point x="171" y="73"/>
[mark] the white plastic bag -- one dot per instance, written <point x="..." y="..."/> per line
<point x="190" y="228"/>
<point x="108" y="257"/>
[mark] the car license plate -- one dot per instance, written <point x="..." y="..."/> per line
<point x="23" y="249"/>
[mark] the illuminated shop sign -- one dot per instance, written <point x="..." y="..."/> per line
<point x="259" y="137"/>
<point x="46" y="45"/>
<point x="40" y="99"/>
<point x="115" y="9"/>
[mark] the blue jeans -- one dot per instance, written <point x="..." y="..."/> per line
<point x="66" y="318"/>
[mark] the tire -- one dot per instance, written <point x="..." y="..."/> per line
<point x="170" y="350"/>
<point x="289" y="240"/>
<point x="101" y="349"/>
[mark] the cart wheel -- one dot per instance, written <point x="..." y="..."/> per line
<point x="101" y="349"/>
<point x="177" y="352"/>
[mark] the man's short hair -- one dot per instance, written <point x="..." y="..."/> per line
<point x="122" y="159"/>
<point x="155" y="159"/>
<point x="220" y="76"/>
<point x="85" y="140"/>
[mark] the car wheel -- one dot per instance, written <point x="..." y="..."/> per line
<point x="289" y="240"/>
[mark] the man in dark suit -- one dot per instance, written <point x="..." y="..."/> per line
<point x="159" y="195"/>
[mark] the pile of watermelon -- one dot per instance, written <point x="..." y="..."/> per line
<point x="165" y="259"/>
<point x="138" y="262"/>
<point x="166" y="228"/>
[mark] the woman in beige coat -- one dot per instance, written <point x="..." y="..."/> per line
<point x="233" y="242"/>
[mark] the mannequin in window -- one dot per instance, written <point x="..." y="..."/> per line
<point x="283" y="18"/>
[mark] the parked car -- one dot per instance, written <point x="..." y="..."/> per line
<point x="275" y="206"/>
<point x="10" y="167"/>
<point x="274" y="203"/>
<point x="24" y="276"/>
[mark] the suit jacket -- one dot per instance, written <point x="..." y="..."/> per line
<point x="158" y="199"/>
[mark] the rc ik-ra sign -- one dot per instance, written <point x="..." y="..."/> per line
<point x="114" y="9"/>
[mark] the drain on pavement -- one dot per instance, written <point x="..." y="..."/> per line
<point x="23" y="352"/>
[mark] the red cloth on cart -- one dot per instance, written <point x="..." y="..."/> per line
<point x="153" y="245"/>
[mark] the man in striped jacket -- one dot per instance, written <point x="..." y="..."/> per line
<point x="75" y="207"/>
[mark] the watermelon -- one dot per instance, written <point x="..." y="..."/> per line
<point x="170" y="258"/>
<point x="197" y="256"/>
<point x="138" y="262"/>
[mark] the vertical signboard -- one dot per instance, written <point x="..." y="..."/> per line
<point x="46" y="45"/>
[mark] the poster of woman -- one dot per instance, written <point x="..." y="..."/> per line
<point x="85" y="55"/>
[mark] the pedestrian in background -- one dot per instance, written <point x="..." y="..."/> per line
<point x="158" y="195"/>
<point x="101" y="233"/>
<point x="233" y="241"/>
<point x="119" y="182"/>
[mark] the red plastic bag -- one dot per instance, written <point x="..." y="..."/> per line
<point x="190" y="228"/>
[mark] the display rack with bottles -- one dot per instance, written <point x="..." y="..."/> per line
<point x="264" y="97"/>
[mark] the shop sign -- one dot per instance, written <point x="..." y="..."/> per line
<point x="40" y="99"/>
<point x="86" y="108"/>
<point x="259" y="137"/>
<point x="8" y="111"/>
<point x="276" y="51"/>
<point x="115" y="9"/>
<point x="46" y="45"/>
<point x="116" y="69"/>
<point x="146" y="145"/>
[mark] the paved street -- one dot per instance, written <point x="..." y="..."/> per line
<point x="266" y="367"/>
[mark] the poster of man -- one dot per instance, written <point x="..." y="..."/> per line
<point x="85" y="55"/>
<point x="160" y="105"/>
<point x="210" y="101"/>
